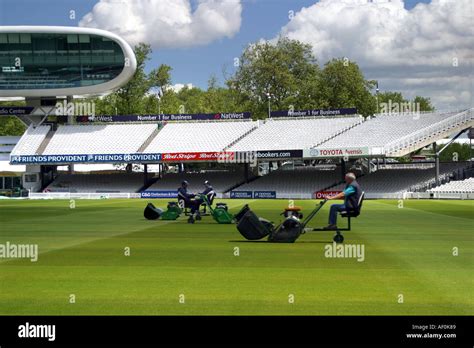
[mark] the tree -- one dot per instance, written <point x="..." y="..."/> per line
<point x="423" y="103"/>
<point x="345" y="86"/>
<point x="10" y="125"/>
<point x="285" y="71"/>
<point x="130" y="98"/>
<point x="456" y="152"/>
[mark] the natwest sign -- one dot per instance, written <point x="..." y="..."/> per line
<point x="325" y="194"/>
<point x="196" y="156"/>
<point x="336" y="152"/>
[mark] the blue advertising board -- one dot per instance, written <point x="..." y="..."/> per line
<point x="240" y="194"/>
<point x="15" y="110"/>
<point x="159" y="194"/>
<point x="315" y="112"/>
<point x="89" y="158"/>
<point x="264" y="194"/>
<point x="166" y="117"/>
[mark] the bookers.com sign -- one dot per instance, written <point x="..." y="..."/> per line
<point x="336" y="152"/>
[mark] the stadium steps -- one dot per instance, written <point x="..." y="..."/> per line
<point x="337" y="134"/>
<point x="150" y="182"/>
<point x="239" y="138"/>
<point x="45" y="142"/>
<point x="242" y="183"/>
<point x="149" y="140"/>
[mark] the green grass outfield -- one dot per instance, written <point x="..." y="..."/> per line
<point x="408" y="251"/>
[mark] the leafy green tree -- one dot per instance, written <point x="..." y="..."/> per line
<point x="345" y="86"/>
<point x="424" y="103"/>
<point x="285" y="71"/>
<point x="456" y="152"/>
<point x="10" y="125"/>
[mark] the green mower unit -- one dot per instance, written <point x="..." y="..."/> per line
<point x="172" y="212"/>
<point x="220" y="213"/>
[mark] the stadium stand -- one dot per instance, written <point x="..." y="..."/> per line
<point x="221" y="181"/>
<point x="295" y="133"/>
<point x="99" y="139"/>
<point x="387" y="133"/>
<point x="459" y="186"/>
<point x="31" y="140"/>
<point x="398" y="180"/>
<point x="198" y="137"/>
<point x="101" y="183"/>
<point x="297" y="182"/>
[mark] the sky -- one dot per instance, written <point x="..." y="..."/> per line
<point x="415" y="47"/>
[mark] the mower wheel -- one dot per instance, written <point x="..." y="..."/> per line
<point x="190" y="220"/>
<point x="338" y="238"/>
<point x="198" y="217"/>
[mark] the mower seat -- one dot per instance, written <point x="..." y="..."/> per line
<point x="355" y="212"/>
<point x="210" y="197"/>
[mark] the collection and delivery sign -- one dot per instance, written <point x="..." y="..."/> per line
<point x="89" y="158"/>
<point x="159" y="194"/>
<point x="315" y="112"/>
<point x="336" y="152"/>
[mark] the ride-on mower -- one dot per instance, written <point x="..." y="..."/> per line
<point x="253" y="228"/>
<point x="220" y="213"/>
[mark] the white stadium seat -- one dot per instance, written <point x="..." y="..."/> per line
<point x="294" y="134"/>
<point x="30" y="141"/>
<point x="460" y="186"/>
<point x="99" y="139"/>
<point x="384" y="129"/>
<point x="198" y="137"/>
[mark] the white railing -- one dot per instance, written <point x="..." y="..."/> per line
<point x="428" y="132"/>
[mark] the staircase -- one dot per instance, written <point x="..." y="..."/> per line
<point x="149" y="140"/>
<point x="45" y="142"/>
<point x="239" y="138"/>
<point x="337" y="134"/>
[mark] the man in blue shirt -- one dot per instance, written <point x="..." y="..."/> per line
<point x="351" y="195"/>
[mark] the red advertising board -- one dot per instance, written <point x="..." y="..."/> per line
<point x="325" y="194"/>
<point x="197" y="156"/>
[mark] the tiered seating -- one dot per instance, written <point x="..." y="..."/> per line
<point x="99" y="139"/>
<point x="102" y="183"/>
<point x="30" y="141"/>
<point x="221" y="181"/>
<point x="383" y="129"/>
<point x="294" y="134"/>
<point x="401" y="180"/>
<point x="461" y="186"/>
<point x="198" y="137"/>
<point x="303" y="180"/>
